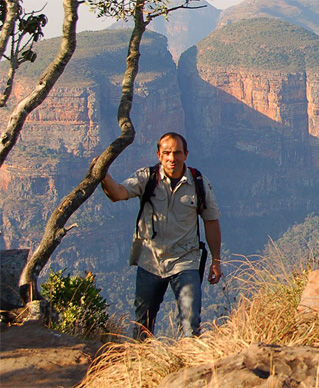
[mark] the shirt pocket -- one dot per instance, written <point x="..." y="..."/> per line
<point x="186" y="208"/>
<point x="188" y="200"/>
<point x="159" y="201"/>
<point x="154" y="214"/>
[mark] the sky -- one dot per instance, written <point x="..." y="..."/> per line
<point x="87" y="20"/>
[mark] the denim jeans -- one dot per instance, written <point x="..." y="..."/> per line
<point x="150" y="291"/>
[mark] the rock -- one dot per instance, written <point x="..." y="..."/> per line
<point x="310" y="297"/>
<point x="37" y="311"/>
<point x="257" y="366"/>
<point x="12" y="262"/>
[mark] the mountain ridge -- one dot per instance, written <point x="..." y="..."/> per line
<point x="262" y="43"/>
<point x="304" y="13"/>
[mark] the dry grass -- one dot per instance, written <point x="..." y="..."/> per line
<point x="266" y="312"/>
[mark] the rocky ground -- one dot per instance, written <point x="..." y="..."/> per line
<point x="34" y="356"/>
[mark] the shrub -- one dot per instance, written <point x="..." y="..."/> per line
<point x="77" y="303"/>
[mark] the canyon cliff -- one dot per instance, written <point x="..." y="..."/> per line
<point x="252" y="102"/>
<point x="251" y="118"/>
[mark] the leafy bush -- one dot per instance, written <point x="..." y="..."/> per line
<point x="77" y="302"/>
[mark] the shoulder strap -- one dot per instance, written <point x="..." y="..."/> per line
<point x="200" y="190"/>
<point x="201" y="204"/>
<point x="148" y="193"/>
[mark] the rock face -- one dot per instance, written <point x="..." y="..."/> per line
<point x="257" y="366"/>
<point x="11" y="262"/>
<point x="258" y="95"/>
<point x="313" y="104"/>
<point x="268" y="103"/>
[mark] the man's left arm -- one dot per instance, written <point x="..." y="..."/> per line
<point x="213" y="238"/>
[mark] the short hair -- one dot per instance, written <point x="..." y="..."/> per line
<point x="173" y="135"/>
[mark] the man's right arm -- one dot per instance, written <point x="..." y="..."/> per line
<point x="113" y="190"/>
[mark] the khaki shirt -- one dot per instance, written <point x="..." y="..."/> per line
<point x="175" y="246"/>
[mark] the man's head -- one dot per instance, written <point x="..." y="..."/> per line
<point x="174" y="135"/>
<point x="172" y="153"/>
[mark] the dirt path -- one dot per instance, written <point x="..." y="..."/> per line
<point x="34" y="356"/>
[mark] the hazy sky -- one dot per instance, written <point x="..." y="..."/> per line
<point x="87" y="20"/>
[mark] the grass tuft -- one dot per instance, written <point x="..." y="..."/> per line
<point x="269" y="290"/>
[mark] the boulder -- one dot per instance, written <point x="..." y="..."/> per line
<point x="12" y="262"/>
<point x="310" y="297"/>
<point x="259" y="365"/>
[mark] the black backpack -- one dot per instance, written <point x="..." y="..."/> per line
<point x="201" y="204"/>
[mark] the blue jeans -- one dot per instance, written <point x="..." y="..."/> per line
<point x="150" y="291"/>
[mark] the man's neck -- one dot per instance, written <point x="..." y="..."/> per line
<point x="174" y="182"/>
<point x="177" y="175"/>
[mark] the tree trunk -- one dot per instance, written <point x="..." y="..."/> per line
<point x="47" y="81"/>
<point x="55" y="229"/>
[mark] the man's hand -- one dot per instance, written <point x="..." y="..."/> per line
<point x="213" y="238"/>
<point x="114" y="191"/>
<point x="215" y="272"/>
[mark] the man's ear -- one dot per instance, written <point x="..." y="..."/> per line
<point x="186" y="154"/>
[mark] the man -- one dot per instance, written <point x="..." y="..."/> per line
<point x="171" y="254"/>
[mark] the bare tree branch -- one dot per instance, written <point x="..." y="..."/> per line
<point x="48" y="79"/>
<point x="11" y="14"/>
<point x="55" y="231"/>
<point x="8" y="89"/>
<point x="154" y="14"/>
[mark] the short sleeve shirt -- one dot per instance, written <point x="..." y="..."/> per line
<point x="173" y="216"/>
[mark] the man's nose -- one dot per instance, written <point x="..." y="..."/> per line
<point x="171" y="156"/>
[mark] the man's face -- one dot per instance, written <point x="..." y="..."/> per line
<point x="172" y="156"/>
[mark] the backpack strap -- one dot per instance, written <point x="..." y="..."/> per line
<point x="148" y="193"/>
<point x="200" y="190"/>
<point x="201" y="204"/>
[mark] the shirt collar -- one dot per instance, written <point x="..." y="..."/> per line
<point x="187" y="176"/>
